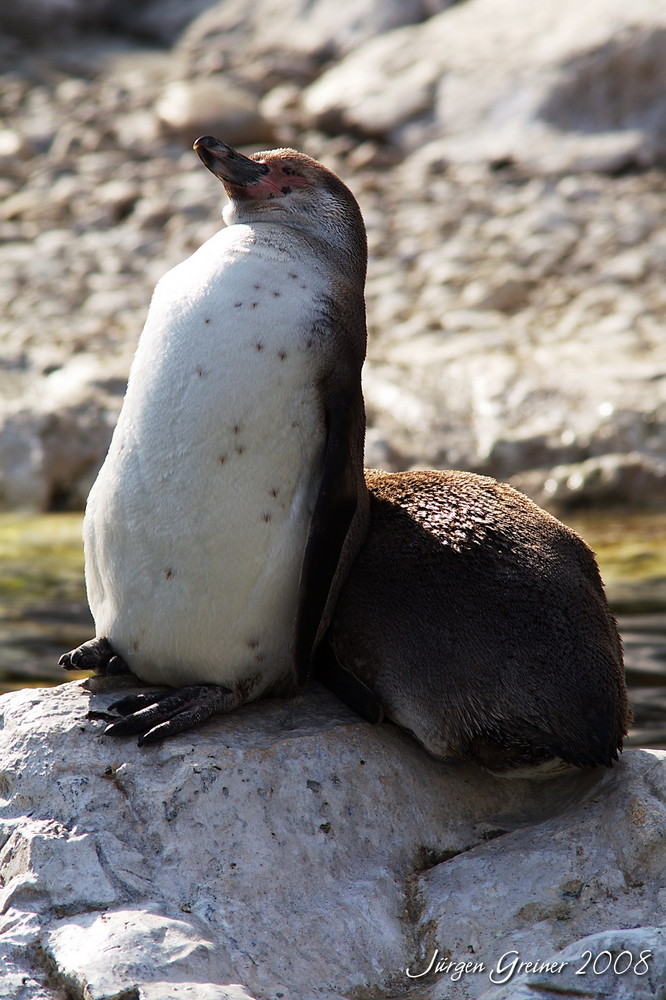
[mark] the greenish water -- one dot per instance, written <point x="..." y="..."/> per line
<point x="43" y="609"/>
<point x="631" y="550"/>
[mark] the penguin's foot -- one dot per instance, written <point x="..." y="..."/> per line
<point x="97" y="655"/>
<point x="156" y="715"/>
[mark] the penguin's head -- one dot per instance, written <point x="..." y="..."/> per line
<point x="286" y="187"/>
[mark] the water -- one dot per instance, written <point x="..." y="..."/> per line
<point x="43" y="610"/>
<point x="631" y="550"/>
<point x="644" y="638"/>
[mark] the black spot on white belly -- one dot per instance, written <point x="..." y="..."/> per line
<point x="282" y="355"/>
<point x="201" y="372"/>
<point x="277" y="294"/>
<point x="257" y="287"/>
<point x="266" y="516"/>
<point x="259" y="346"/>
<point x="207" y="320"/>
<point x="237" y="305"/>
<point x="292" y="275"/>
<point x="274" y="492"/>
<point x="168" y="574"/>
<point x="221" y="459"/>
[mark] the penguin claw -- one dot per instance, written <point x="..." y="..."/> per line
<point x="132" y="703"/>
<point x="157" y="716"/>
<point x="96" y="655"/>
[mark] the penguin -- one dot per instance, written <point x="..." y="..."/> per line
<point x="232" y="502"/>
<point x="480" y="624"/>
<point x="235" y="546"/>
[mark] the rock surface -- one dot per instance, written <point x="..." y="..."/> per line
<point x="509" y="162"/>
<point x="290" y="850"/>
<point x="556" y="87"/>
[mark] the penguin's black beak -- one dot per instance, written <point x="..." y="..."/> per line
<point x="228" y="165"/>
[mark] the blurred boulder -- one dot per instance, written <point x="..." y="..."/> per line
<point x="556" y="85"/>
<point x="632" y="479"/>
<point x="212" y="106"/>
<point x="273" y="41"/>
<point x="476" y="400"/>
<point x="52" y="442"/>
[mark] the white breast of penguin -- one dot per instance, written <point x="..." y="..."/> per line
<point x="196" y="526"/>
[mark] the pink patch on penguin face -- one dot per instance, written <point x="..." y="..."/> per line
<point x="280" y="181"/>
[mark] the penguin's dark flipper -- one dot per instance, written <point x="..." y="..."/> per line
<point x="335" y="511"/>
<point x="156" y="715"/>
<point x="96" y="655"/>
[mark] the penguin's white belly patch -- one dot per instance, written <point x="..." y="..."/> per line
<point x="196" y="527"/>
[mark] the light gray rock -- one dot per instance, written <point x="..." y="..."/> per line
<point x="213" y="106"/>
<point x="21" y="461"/>
<point x="13" y="147"/>
<point x="51" y="445"/>
<point x="291" y="850"/>
<point x="273" y="41"/>
<point x="560" y="86"/>
<point x="614" y="965"/>
<point x="379" y="87"/>
<point x="471" y="397"/>
<point x="625" y="478"/>
<point x="564" y="884"/>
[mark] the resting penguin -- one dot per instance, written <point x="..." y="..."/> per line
<point x="232" y="501"/>
<point x="480" y="623"/>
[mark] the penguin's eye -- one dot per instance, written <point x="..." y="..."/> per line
<point x="288" y="170"/>
<point x="287" y="179"/>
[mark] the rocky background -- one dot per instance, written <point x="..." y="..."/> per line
<point x="509" y="160"/>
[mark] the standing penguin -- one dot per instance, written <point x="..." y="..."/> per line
<point x="232" y="501"/>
